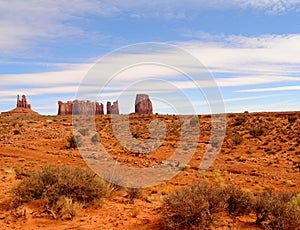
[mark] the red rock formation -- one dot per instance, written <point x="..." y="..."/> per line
<point x="80" y="107"/>
<point x="143" y="104"/>
<point x="115" y="108"/>
<point x="65" y="108"/>
<point x="23" y="103"/>
<point x="108" y="107"/>
<point x="112" y="108"/>
<point x="23" y="107"/>
<point x="99" y="108"/>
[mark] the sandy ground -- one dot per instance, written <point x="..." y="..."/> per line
<point x="270" y="160"/>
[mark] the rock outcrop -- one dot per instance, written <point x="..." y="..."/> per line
<point x="115" y="108"/>
<point x="23" y="102"/>
<point x="108" y="107"/>
<point x="23" y="107"/>
<point x="143" y="104"/>
<point x="80" y="107"/>
<point x="112" y="108"/>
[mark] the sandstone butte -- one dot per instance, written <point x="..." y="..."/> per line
<point x="143" y="104"/>
<point x="79" y="107"/>
<point x="23" y="107"/>
<point x="86" y="107"/>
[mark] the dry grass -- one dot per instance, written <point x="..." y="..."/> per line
<point x="62" y="189"/>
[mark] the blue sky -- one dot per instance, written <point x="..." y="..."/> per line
<point x="252" y="48"/>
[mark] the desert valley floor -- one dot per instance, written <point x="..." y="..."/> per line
<point x="260" y="150"/>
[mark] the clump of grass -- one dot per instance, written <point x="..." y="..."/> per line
<point x="84" y="132"/>
<point x="292" y="118"/>
<point x="257" y="131"/>
<point x="133" y="193"/>
<point x="16" y="132"/>
<point x="237" y="139"/>
<point x="74" y="142"/>
<point x="95" y="138"/>
<point x="60" y="188"/>
<point x="239" y="120"/>
<point x="194" y="121"/>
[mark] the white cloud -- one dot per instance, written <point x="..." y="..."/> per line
<point x="178" y="9"/>
<point x="272" y="6"/>
<point x="282" y="88"/>
<point x="24" y="23"/>
<point x="267" y="54"/>
<point x="253" y="61"/>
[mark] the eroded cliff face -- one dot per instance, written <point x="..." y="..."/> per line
<point x="80" y="107"/>
<point x="143" y="104"/>
<point x="112" y="108"/>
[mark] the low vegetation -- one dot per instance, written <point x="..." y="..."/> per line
<point x="202" y="205"/>
<point x="74" y="142"/>
<point x="63" y="190"/>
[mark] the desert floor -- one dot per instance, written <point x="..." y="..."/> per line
<point x="260" y="150"/>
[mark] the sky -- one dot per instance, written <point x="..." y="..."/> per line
<point x="251" y="48"/>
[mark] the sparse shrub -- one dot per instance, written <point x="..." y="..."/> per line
<point x="237" y="139"/>
<point x="256" y="131"/>
<point x="133" y="193"/>
<point x="74" y="141"/>
<point x="84" y="132"/>
<point x="274" y="210"/>
<point x="95" y="138"/>
<point x="292" y="118"/>
<point x="16" y="132"/>
<point x="195" y="205"/>
<point x="194" y="121"/>
<point x="238" y="202"/>
<point x="239" y="120"/>
<point x="183" y="167"/>
<point x="54" y="184"/>
<point x="185" y="208"/>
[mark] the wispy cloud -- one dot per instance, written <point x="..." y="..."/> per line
<point x="23" y="24"/>
<point x="272" y="6"/>
<point x="270" y="54"/>
<point x="270" y="89"/>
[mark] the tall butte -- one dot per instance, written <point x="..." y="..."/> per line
<point x="23" y="107"/>
<point x="143" y="104"/>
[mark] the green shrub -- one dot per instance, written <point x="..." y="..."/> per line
<point x="53" y="184"/>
